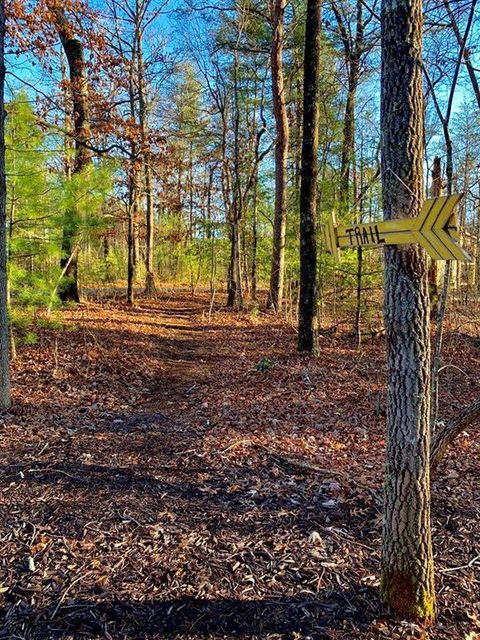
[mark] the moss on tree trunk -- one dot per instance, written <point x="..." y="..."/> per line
<point x="407" y="557"/>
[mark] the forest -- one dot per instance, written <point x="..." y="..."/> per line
<point x="239" y="319"/>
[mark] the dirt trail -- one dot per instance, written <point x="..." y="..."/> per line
<point x="154" y="484"/>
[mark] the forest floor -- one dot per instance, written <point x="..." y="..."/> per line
<point x="155" y="484"/>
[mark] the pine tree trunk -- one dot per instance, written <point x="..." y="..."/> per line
<point x="307" y="318"/>
<point x="5" y="399"/>
<point x="281" y="155"/>
<point x="407" y="583"/>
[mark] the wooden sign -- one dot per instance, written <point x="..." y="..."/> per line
<point x="435" y="230"/>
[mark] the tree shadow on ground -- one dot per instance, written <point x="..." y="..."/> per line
<point x="308" y="615"/>
<point x="223" y="498"/>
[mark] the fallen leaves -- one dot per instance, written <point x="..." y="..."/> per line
<point x="163" y="486"/>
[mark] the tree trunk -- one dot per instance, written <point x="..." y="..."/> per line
<point x="358" y="298"/>
<point x="131" y="234"/>
<point x="281" y="155"/>
<point x="245" y="265"/>
<point x="407" y="583"/>
<point x="235" y="285"/>
<point x="297" y="142"/>
<point x="348" y="145"/>
<point x="436" y="191"/>
<point x="130" y="264"/>
<point x="234" y="292"/>
<point x="443" y="297"/>
<point x="5" y="399"/>
<point x="11" y="217"/>
<point x="149" y="276"/>
<point x="353" y="46"/>
<point x="254" y="235"/>
<point x="147" y="168"/>
<point x="228" y="202"/>
<point x="208" y="226"/>
<point x="464" y="50"/>
<point x="258" y="157"/>
<point x="308" y="300"/>
<point x="136" y="229"/>
<point x="106" y="247"/>
<point x="74" y="52"/>
<point x="442" y="301"/>
<point x="359" y="274"/>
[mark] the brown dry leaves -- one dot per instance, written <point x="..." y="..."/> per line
<point x="163" y="487"/>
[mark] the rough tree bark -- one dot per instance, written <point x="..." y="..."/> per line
<point x="74" y="52"/>
<point x="5" y="399"/>
<point x="281" y="155"/>
<point x="308" y="299"/>
<point x="407" y="581"/>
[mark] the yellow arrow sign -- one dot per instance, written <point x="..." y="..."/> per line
<point x="435" y="230"/>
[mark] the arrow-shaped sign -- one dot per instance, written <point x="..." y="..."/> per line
<point x="435" y="230"/>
